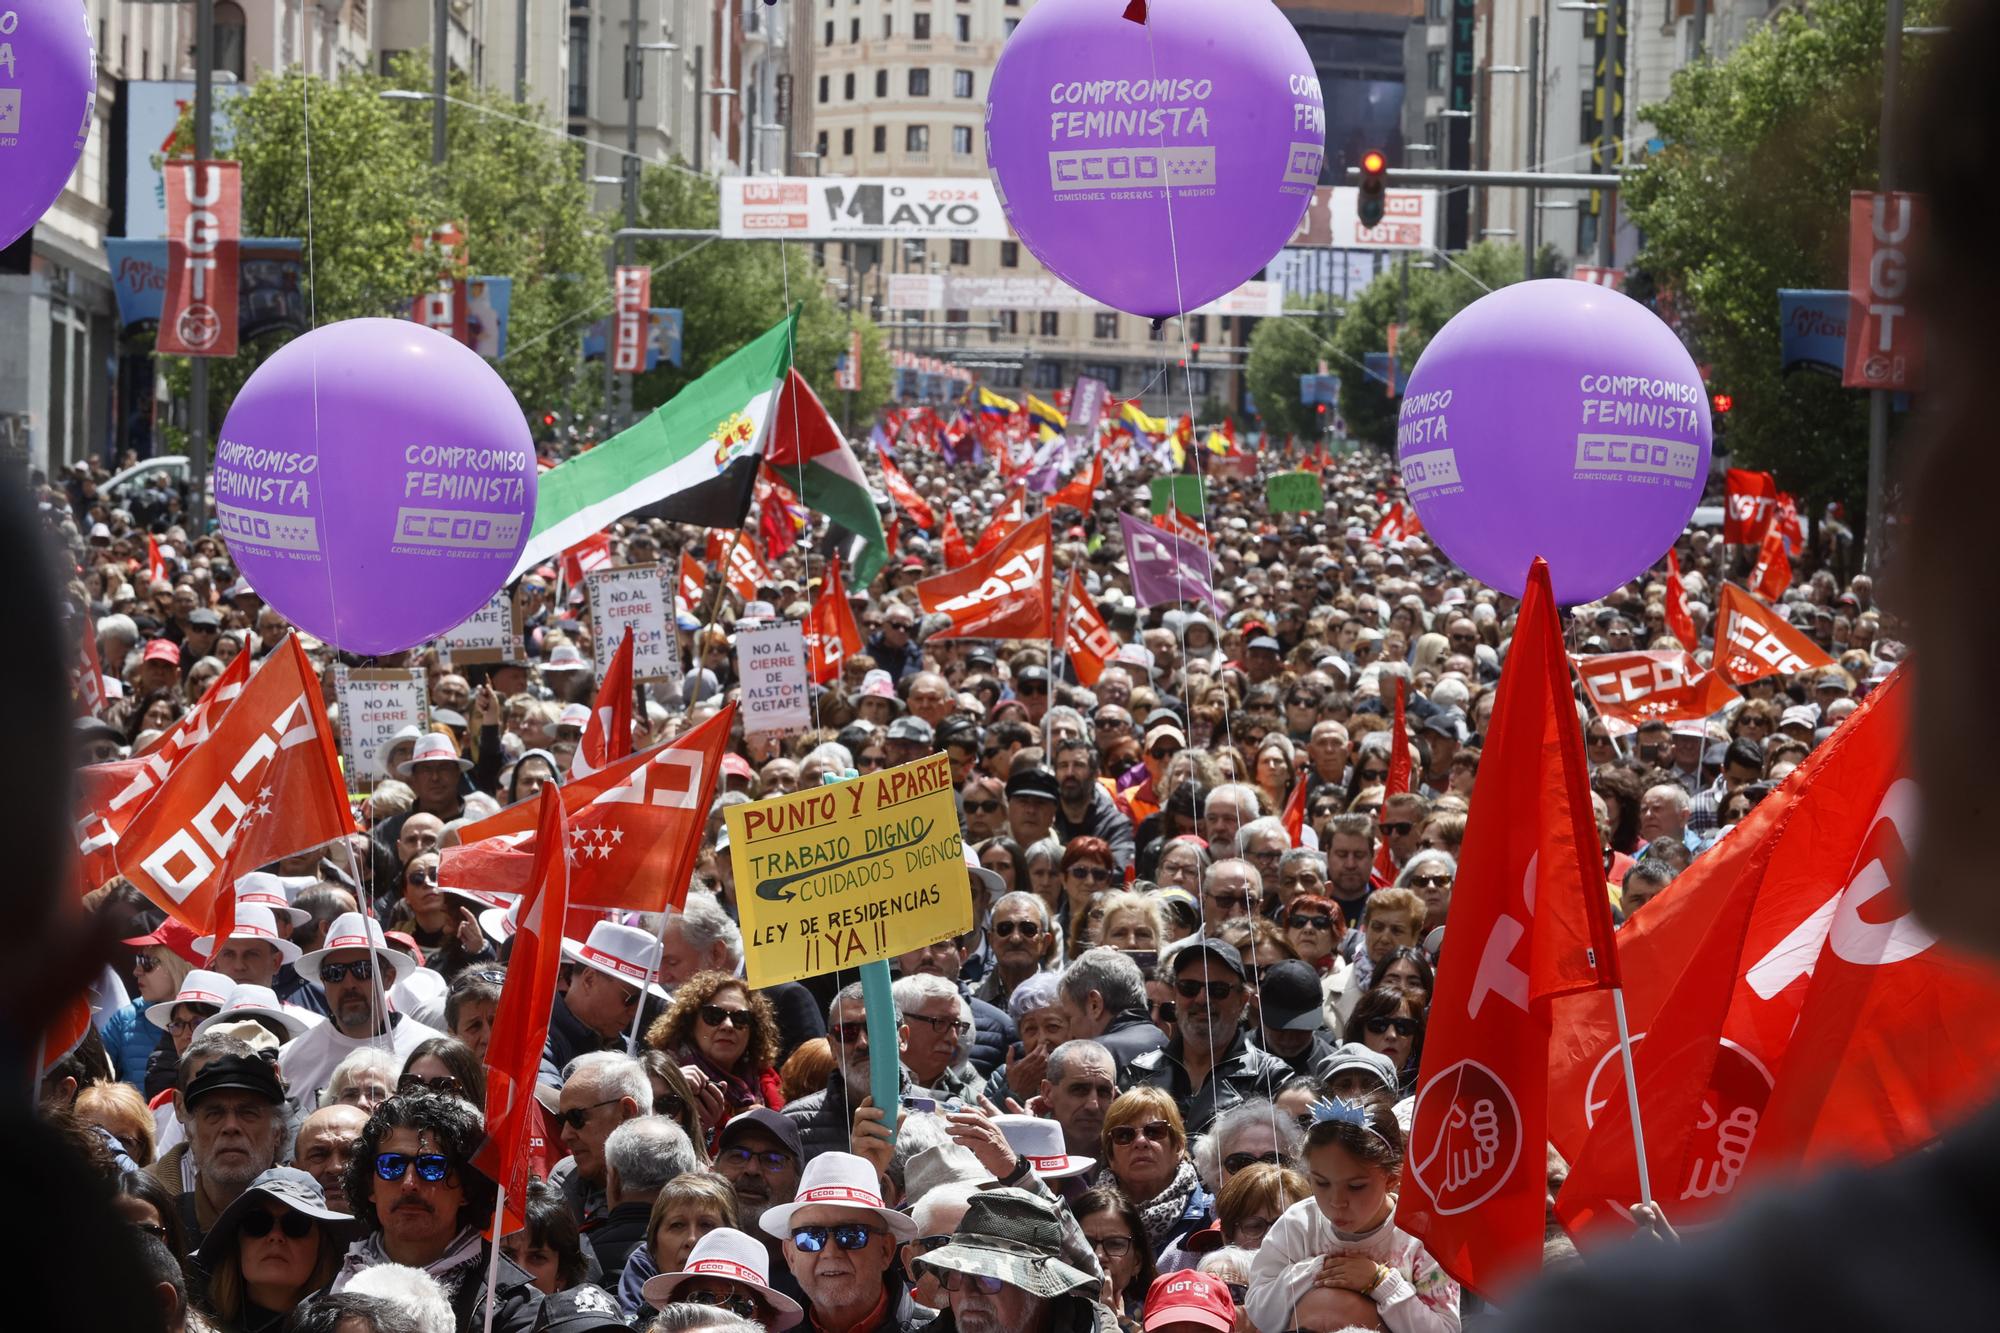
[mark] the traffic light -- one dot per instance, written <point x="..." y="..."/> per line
<point x="1374" y="187"/>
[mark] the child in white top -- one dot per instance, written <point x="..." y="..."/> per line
<point x="1345" y="1236"/>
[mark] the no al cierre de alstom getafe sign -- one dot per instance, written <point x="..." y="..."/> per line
<point x="849" y="873"/>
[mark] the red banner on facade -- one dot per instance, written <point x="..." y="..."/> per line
<point x="629" y="323"/>
<point x="204" y="224"/>
<point x="1884" y="344"/>
<point x="441" y="305"/>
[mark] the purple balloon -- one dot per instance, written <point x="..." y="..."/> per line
<point x="1558" y="419"/>
<point x="375" y="481"/>
<point x="1091" y="115"/>
<point x="47" y="85"/>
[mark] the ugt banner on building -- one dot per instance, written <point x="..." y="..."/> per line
<point x="204" y="226"/>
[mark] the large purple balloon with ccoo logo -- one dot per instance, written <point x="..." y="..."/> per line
<point x="375" y="480"/>
<point x="1092" y="119"/>
<point x="48" y="80"/>
<point x="1558" y="419"/>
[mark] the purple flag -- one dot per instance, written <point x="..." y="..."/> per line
<point x="1165" y="567"/>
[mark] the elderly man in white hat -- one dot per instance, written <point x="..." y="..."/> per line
<point x="727" y="1270"/>
<point x="840" y="1242"/>
<point x="355" y="968"/>
<point x="619" y="965"/>
<point x="436" y="772"/>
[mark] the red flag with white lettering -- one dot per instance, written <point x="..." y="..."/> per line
<point x="1752" y="641"/>
<point x="831" y="633"/>
<point x="593" y="552"/>
<point x="1398" y="782"/>
<point x="1006" y="594"/>
<point x="1081" y="492"/>
<point x="1088" y="642"/>
<point x="1787" y="1010"/>
<point x="1005" y="523"/>
<point x="746" y="573"/>
<point x="1773" y="573"/>
<point x="264" y="784"/>
<point x="634" y="828"/>
<point x="687" y="592"/>
<point x="904" y="494"/>
<point x="608" y="736"/>
<point x="1656" y="684"/>
<point x="1181" y="525"/>
<point x="1680" y="621"/>
<point x="1749" y="502"/>
<point x="1531" y="921"/>
<point x="521" y="1022"/>
<point x="956" y="553"/>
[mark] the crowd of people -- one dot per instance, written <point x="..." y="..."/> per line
<point x="1165" y="1080"/>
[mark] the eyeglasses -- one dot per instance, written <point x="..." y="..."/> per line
<point x="184" y="1024"/>
<point x="579" y="1116"/>
<point x="1231" y="901"/>
<point x="1027" y="930"/>
<point x="1374" y="775"/>
<point x="496" y="976"/>
<point x="339" y="972"/>
<point x="1156" y="1131"/>
<point x="1113" y="724"/>
<point x="953" y="1280"/>
<point x="1095" y="874"/>
<point x="443" y="1084"/>
<point x="1190" y="989"/>
<point x="771" y="1159"/>
<point x="431" y="1167"/>
<point x="1430" y="881"/>
<point x="1165" y="751"/>
<point x="715" y="1016"/>
<point x="1032" y="687"/>
<point x="1300" y="921"/>
<point x="1400" y="828"/>
<point x="1243" y="1161"/>
<point x="981" y="807"/>
<point x="848" y="1236"/>
<point x="1112" y="1247"/>
<point x="1404" y="1027"/>
<point x="848" y="1033"/>
<point x="145" y="962"/>
<point x="734" y="1301"/>
<point x="296" y="1226"/>
<point x="960" y="1026"/>
<point x="1163" y="1011"/>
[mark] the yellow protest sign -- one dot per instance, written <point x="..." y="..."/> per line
<point x="849" y="873"/>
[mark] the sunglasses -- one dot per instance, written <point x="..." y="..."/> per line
<point x="960" y="1026"/>
<point x="1027" y="930"/>
<point x="953" y="1280"/>
<point x="1403" y="1027"/>
<point x="1095" y="874"/>
<point x="1400" y="828"/>
<point x="1243" y="1161"/>
<point x="848" y="1236"/>
<point x="296" y="1226"/>
<point x="444" y="1084"/>
<point x="1238" y="1292"/>
<point x="1164" y="1011"/>
<point x="670" y="1104"/>
<point x="431" y="1167"/>
<point x="771" y="1159"/>
<point x="422" y="877"/>
<point x="734" y="1301"/>
<point x="144" y="962"/>
<point x="1165" y="751"/>
<point x="1372" y="775"/>
<point x="848" y="1033"/>
<point x="868" y="761"/>
<point x="715" y="1016"/>
<point x="1190" y="989"/>
<point x="1431" y="881"/>
<point x="1231" y="901"/>
<point x="981" y="807"/>
<point x="1156" y="1131"/>
<point x="579" y="1116"/>
<point x="1032" y="689"/>
<point x="339" y="972"/>
<point x="1300" y="921"/>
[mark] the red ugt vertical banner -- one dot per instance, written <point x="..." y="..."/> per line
<point x="441" y="305"/>
<point x="204" y="225"/>
<point x="628" y="342"/>
<point x="1885" y="347"/>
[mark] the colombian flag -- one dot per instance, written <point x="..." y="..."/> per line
<point x="1045" y="414"/>
<point x="993" y="404"/>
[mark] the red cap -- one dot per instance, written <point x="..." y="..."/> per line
<point x="1189" y="1297"/>
<point x="173" y="935"/>
<point x="163" y="650"/>
<point x="736" y="766"/>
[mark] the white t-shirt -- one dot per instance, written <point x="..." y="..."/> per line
<point x="308" y="1061"/>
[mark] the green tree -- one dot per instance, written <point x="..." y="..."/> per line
<point x="1749" y="195"/>
<point x="731" y="291"/>
<point x="1281" y="350"/>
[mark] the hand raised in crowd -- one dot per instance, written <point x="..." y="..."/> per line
<point x="871" y="1138"/>
<point x="1651" y="1220"/>
<point x="975" y="1130"/>
<point x="485" y="707"/>
<point x="470" y="937"/>
<point x="1025" y="1073"/>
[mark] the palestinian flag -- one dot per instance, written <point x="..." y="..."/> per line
<point x="696" y="456"/>
<point x="809" y="454"/>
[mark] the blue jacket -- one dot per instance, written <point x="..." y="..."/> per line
<point x="129" y="1038"/>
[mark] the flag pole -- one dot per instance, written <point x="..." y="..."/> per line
<point x="493" y="1262"/>
<point x="652" y="974"/>
<point x="1632" y="1095"/>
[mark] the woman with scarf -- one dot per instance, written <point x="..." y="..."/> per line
<point x="718" y="1025"/>
<point x="1145" y="1156"/>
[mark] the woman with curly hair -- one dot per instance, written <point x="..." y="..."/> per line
<point x="729" y="1033"/>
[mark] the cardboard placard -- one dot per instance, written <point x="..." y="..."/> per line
<point x="492" y="634"/>
<point x="375" y="704"/>
<point x="849" y="873"/>
<point x="635" y="596"/>
<point x="771" y="664"/>
<point x="1294" y="493"/>
<point x="1181" y="491"/>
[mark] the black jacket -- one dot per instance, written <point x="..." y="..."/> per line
<point x="825" y="1118"/>
<point x="1308" y="1061"/>
<point x="800" y="1016"/>
<point x="515" y="1300"/>
<point x="1132" y="1034"/>
<point x="622" y="1231"/>
<point x="1242" y="1072"/>
<point x="569" y="1038"/>
<point x="1102" y="820"/>
<point x="992" y="1033"/>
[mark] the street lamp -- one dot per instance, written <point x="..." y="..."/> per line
<point x="1554" y="204"/>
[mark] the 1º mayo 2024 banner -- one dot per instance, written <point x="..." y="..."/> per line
<point x="849" y="873"/>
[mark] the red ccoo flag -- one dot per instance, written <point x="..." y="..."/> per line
<point x="1004" y="524"/>
<point x="593" y="552"/>
<point x="1787" y="1009"/>
<point x="906" y="495"/>
<point x="608" y="738"/>
<point x="266" y="783"/>
<point x="687" y="592"/>
<point x="86" y="672"/>
<point x="1773" y="573"/>
<point x="635" y="828"/>
<point x="1752" y="641"/>
<point x="1680" y="621"/>
<point x="1088" y="642"/>
<point x="1654" y="684"/>
<point x="521" y="1023"/>
<point x="1398" y="782"/>
<point x="1532" y="921"/>
<point x="831" y="633"/>
<point x="1082" y="490"/>
<point x="957" y="554"/>
<point x="1005" y="594"/>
